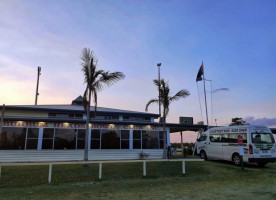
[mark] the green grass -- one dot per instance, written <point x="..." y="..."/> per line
<point x="203" y="180"/>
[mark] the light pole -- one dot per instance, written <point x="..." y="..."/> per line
<point x="159" y="65"/>
<point x="36" y="93"/>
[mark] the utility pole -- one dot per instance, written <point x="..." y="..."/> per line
<point x="38" y="74"/>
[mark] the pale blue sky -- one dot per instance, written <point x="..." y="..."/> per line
<point x="235" y="39"/>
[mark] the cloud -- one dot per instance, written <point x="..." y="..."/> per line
<point x="260" y="121"/>
<point x="221" y="89"/>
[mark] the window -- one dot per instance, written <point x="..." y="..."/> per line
<point x="161" y="139"/>
<point x="202" y="138"/>
<point x="110" y="139"/>
<point x="215" y="138"/>
<point x="12" y="138"/>
<point x="124" y="139"/>
<point x="150" y="140"/>
<point x="32" y="138"/>
<point x="95" y="139"/>
<point x="65" y="139"/>
<point x="48" y="138"/>
<point x="264" y="138"/>
<point x="137" y="140"/>
<point x="80" y="138"/>
<point x="233" y="137"/>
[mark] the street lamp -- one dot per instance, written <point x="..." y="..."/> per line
<point x="159" y="65"/>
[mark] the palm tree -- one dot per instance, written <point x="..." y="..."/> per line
<point x="95" y="81"/>
<point x="165" y="100"/>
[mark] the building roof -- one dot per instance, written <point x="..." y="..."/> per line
<point x="77" y="109"/>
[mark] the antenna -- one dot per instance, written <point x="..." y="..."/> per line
<point x="38" y="74"/>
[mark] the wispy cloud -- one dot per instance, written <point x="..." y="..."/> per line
<point x="260" y="121"/>
<point x="221" y="89"/>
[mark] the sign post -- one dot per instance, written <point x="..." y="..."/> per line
<point x="241" y="151"/>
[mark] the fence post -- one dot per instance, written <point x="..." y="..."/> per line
<point x="50" y="173"/>
<point x="144" y="168"/>
<point x="183" y="167"/>
<point x="0" y="172"/>
<point x="100" y="170"/>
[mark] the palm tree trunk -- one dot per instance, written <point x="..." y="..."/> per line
<point x="85" y="157"/>
<point x="165" y="139"/>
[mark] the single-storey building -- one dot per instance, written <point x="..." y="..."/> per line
<point x="57" y="133"/>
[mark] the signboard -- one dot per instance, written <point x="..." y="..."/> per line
<point x="240" y="143"/>
<point x="186" y="120"/>
<point x="26" y="124"/>
<point x="240" y="140"/>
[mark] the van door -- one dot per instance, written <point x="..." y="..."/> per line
<point x="214" y="146"/>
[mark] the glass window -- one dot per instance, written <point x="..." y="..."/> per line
<point x="150" y="140"/>
<point x="124" y="139"/>
<point x="137" y="139"/>
<point x="48" y="138"/>
<point x="202" y="138"/>
<point x="95" y="139"/>
<point x="161" y="139"/>
<point x="13" y="138"/>
<point x="215" y="138"/>
<point x="32" y="138"/>
<point x="262" y="138"/>
<point x="110" y="139"/>
<point x="65" y="139"/>
<point x="81" y="138"/>
<point x="233" y="138"/>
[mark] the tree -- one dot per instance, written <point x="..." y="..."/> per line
<point x="95" y="81"/>
<point x="165" y="100"/>
<point x="237" y="122"/>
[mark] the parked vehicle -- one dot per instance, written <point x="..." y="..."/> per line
<point x="221" y="143"/>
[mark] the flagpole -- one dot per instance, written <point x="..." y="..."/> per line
<point x="205" y="100"/>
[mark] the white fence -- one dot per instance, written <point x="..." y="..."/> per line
<point x="101" y="163"/>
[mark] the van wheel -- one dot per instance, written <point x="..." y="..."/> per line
<point x="203" y="155"/>
<point x="236" y="159"/>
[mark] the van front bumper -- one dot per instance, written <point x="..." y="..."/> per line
<point x="273" y="159"/>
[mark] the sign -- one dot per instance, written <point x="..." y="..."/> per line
<point x="25" y="124"/>
<point x="240" y="143"/>
<point x="186" y="120"/>
<point x="240" y="140"/>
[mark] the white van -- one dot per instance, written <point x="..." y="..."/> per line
<point x="221" y="143"/>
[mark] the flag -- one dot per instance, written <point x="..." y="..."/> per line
<point x="200" y="73"/>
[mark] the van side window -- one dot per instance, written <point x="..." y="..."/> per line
<point x="215" y="138"/>
<point x="202" y="138"/>
<point x="233" y="138"/>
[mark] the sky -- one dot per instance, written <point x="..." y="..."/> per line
<point x="235" y="39"/>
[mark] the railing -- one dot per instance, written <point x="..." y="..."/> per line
<point x="101" y="164"/>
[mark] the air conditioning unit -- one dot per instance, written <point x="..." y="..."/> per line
<point x="200" y="123"/>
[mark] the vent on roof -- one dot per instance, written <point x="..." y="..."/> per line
<point x="78" y="101"/>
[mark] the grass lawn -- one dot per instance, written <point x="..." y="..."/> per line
<point x="203" y="180"/>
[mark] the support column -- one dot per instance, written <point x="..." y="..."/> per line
<point x="168" y="137"/>
<point x="89" y="139"/>
<point x="182" y="148"/>
<point x="40" y="138"/>
<point x="130" y="139"/>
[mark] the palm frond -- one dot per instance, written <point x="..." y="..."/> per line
<point x="180" y="94"/>
<point x="150" y="102"/>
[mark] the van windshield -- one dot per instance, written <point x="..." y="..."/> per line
<point x="262" y="138"/>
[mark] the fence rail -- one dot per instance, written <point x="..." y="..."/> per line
<point x="101" y="162"/>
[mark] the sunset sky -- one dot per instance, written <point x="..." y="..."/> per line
<point x="235" y="39"/>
